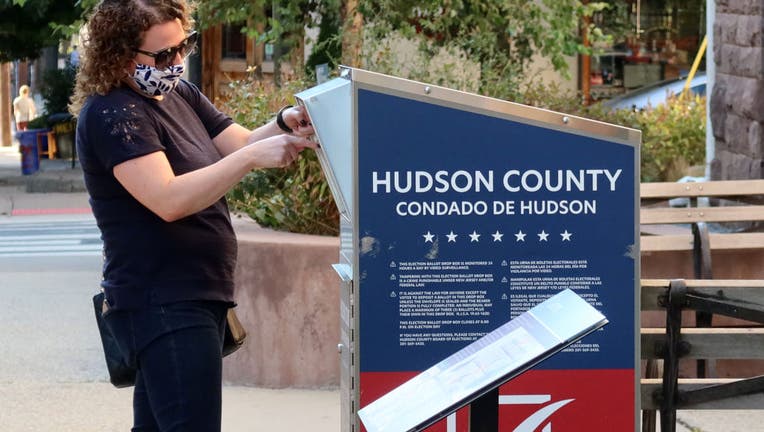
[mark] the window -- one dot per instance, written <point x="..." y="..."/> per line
<point x="234" y="41"/>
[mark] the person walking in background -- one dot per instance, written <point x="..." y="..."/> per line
<point x="24" y="109"/>
<point x="158" y="158"/>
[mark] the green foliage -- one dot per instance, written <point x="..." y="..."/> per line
<point x="27" y="26"/>
<point x="279" y="22"/>
<point x="502" y="36"/>
<point x="57" y="87"/>
<point x="615" y="19"/>
<point x="295" y="199"/>
<point x="673" y="134"/>
<point x="214" y="12"/>
<point x="499" y="36"/>
<point x="40" y="122"/>
<point x="328" y="47"/>
<point x="552" y="97"/>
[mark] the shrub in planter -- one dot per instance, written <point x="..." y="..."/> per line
<point x="38" y="123"/>
<point x="295" y="199"/>
<point x="677" y="136"/>
<point x="57" y="88"/>
<point x="673" y="134"/>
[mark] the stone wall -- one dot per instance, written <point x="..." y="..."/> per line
<point x="288" y="301"/>
<point x="737" y="102"/>
<point x="737" y="118"/>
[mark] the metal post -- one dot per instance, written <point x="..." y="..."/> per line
<point x="484" y="412"/>
<point x="674" y="304"/>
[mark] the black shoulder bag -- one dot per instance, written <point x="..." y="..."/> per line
<point x="123" y="375"/>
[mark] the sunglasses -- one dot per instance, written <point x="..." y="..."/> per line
<point x="164" y="58"/>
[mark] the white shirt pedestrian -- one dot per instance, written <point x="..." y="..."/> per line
<point x="23" y="108"/>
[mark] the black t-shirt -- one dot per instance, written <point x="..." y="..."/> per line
<point x="148" y="260"/>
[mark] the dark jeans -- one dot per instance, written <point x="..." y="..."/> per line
<point x="177" y="349"/>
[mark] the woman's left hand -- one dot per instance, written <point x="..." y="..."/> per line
<point x="297" y="119"/>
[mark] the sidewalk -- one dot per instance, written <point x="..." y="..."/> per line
<point x="56" y="188"/>
<point x="99" y="407"/>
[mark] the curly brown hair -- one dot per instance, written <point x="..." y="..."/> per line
<point x="113" y="33"/>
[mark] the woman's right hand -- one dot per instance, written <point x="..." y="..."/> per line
<point x="279" y="150"/>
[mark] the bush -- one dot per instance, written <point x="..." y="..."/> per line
<point x="57" y="88"/>
<point x="328" y="46"/>
<point x="38" y="123"/>
<point x="295" y="199"/>
<point x="673" y="134"/>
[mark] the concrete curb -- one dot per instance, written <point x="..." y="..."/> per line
<point x="54" y="175"/>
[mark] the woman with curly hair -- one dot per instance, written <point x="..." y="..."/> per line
<point x="158" y="158"/>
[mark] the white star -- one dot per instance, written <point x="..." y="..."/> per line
<point x="428" y="237"/>
<point x="451" y="237"/>
<point x="497" y="236"/>
<point x="543" y="236"/>
<point x="474" y="236"/>
<point x="520" y="236"/>
<point x="566" y="235"/>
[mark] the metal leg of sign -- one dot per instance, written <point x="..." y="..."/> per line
<point x="484" y="412"/>
<point x="652" y="370"/>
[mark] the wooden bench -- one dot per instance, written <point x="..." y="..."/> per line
<point x="668" y="231"/>
<point x="748" y="192"/>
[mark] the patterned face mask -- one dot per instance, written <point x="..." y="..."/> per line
<point x="155" y="82"/>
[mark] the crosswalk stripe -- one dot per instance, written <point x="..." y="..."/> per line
<point x="50" y="238"/>
<point x="41" y="242"/>
<point x="50" y="247"/>
<point x="62" y="237"/>
<point x="48" y="253"/>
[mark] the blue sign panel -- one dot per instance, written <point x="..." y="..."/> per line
<point x="467" y="220"/>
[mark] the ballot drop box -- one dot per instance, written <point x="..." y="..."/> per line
<point x="460" y="212"/>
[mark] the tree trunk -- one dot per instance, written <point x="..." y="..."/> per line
<point x="352" y="36"/>
<point x="5" y="104"/>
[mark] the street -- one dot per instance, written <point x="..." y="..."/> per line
<point x="52" y="372"/>
<point x="63" y="237"/>
<point x="50" y="270"/>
